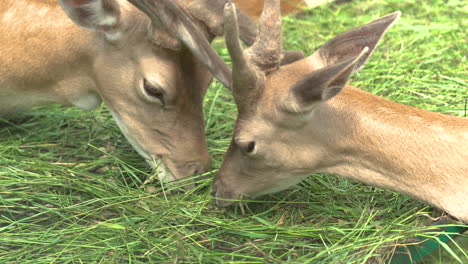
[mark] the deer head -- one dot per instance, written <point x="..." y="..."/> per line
<point x="152" y="65"/>
<point x="276" y="139"/>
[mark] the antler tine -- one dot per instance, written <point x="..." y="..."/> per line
<point x="244" y="73"/>
<point x="266" y="51"/>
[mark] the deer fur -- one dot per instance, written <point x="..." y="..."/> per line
<point x="303" y="118"/>
<point x="253" y="8"/>
<point x="148" y="69"/>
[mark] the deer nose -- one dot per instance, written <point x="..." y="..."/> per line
<point x="220" y="196"/>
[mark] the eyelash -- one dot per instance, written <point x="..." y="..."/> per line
<point x="153" y="91"/>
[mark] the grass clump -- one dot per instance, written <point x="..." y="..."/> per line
<point x="72" y="189"/>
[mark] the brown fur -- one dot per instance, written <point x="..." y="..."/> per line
<point x="45" y="58"/>
<point x="253" y="8"/>
<point x="354" y="134"/>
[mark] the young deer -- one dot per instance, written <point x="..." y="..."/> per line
<point x="303" y="118"/>
<point x="151" y="71"/>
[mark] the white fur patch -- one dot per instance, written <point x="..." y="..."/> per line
<point x="99" y="16"/>
<point x="102" y="19"/>
<point x="162" y="172"/>
<point x="113" y="36"/>
<point x="107" y="20"/>
<point x="87" y="101"/>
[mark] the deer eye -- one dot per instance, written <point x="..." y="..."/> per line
<point x="153" y="91"/>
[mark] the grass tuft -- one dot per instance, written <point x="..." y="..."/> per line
<point x="72" y="190"/>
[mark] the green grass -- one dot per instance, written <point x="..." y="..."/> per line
<point x="71" y="187"/>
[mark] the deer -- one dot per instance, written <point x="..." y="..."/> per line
<point x="303" y="118"/>
<point x="150" y="62"/>
<point x="253" y="8"/>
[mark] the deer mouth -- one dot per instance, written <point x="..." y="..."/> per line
<point x="156" y="162"/>
<point x="163" y="173"/>
<point x="222" y="203"/>
<point x="223" y="198"/>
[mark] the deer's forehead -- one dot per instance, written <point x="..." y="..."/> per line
<point x="154" y="58"/>
<point x="250" y="126"/>
<point x="280" y="81"/>
<point x="262" y="107"/>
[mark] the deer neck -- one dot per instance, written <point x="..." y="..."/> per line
<point x="394" y="146"/>
<point x="44" y="57"/>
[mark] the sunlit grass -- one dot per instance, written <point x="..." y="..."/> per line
<point x="71" y="187"/>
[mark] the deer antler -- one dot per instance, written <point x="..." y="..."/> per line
<point x="244" y="73"/>
<point x="249" y="66"/>
<point x="266" y="51"/>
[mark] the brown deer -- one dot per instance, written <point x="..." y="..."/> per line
<point x="303" y="118"/>
<point x="151" y="70"/>
<point x="253" y="8"/>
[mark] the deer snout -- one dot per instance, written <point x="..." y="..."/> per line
<point x="221" y="196"/>
<point x="193" y="168"/>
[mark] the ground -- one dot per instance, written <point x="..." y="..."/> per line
<point x="71" y="187"/>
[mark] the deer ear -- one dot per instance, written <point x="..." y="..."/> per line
<point x="325" y="83"/>
<point x="99" y="15"/>
<point x="351" y="43"/>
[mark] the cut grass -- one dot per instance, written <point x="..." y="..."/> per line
<point x="71" y="187"/>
